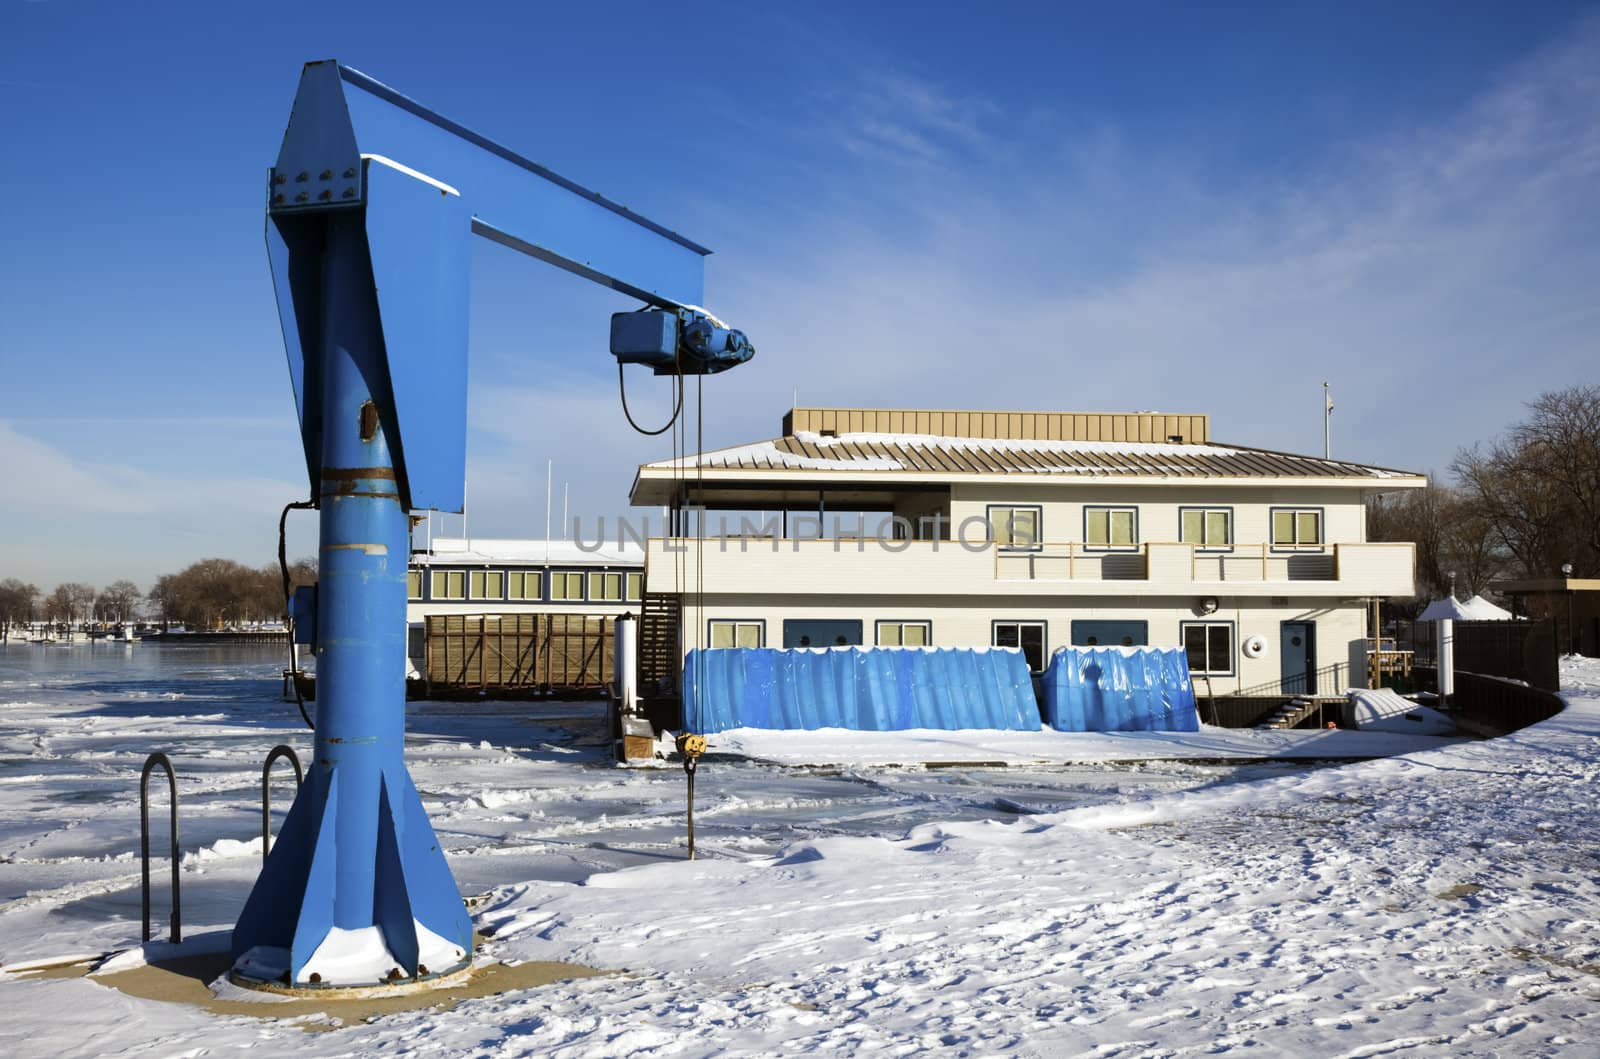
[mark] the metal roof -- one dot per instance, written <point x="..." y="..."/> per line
<point x="923" y="455"/>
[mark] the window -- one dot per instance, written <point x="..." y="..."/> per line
<point x="635" y="587"/>
<point x="449" y="584"/>
<point x="1092" y="633"/>
<point x="1296" y="527"/>
<point x="1015" y="527"/>
<point x="1110" y="527"/>
<point x="726" y="633"/>
<point x="413" y="584"/>
<point x="1028" y="635"/>
<point x="1207" y="528"/>
<point x="822" y="632"/>
<point x="524" y="584"/>
<point x="487" y="584"/>
<point x="1209" y="645"/>
<point x="905" y="633"/>
<point x="605" y="586"/>
<point x="566" y="585"/>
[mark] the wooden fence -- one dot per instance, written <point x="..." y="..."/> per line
<point x="530" y="652"/>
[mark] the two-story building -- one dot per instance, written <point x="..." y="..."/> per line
<point x="1026" y="529"/>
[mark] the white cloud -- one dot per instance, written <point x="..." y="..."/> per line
<point x="70" y="518"/>
<point x="1439" y="276"/>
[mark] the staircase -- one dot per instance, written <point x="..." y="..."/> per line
<point x="1290" y="714"/>
<point x="661" y="658"/>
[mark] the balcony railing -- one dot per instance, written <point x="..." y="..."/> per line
<point x="894" y="567"/>
<point x="1075" y="561"/>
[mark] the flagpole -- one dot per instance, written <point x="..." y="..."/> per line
<point x="1327" y="414"/>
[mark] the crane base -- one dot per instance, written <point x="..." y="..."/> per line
<point x="279" y="985"/>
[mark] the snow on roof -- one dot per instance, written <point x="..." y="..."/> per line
<point x="929" y="453"/>
<point x="490" y="550"/>
<point x="1475" y="609"/>
<point x="1109" y="448"/>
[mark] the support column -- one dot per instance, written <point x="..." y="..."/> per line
<point x="356" y="891"/>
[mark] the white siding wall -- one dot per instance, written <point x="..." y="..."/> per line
<point x="1344" y="514"/>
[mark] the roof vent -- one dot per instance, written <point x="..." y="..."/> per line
<point x="828" y="433"/>
<point x="1175" y="439"/>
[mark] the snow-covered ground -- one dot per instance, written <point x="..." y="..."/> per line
<point x="1444" y="902"/>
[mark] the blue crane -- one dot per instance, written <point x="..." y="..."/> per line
<point x="371" y="206"/>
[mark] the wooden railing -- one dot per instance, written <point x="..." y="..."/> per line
<point x="1182" y="563"/>
<point x="1071" y="561"/>
<point x="923" y="567"/>
<point x="1258" y="562"/>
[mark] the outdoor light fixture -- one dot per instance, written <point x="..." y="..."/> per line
<point x="1572" y="633"/>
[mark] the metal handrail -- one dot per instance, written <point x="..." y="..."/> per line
<point x="1313" y="680"/>
<point x="150" y="763"/>
<point x="279" y="751"/>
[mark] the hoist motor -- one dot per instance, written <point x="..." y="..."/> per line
<point x="687" y="341"/>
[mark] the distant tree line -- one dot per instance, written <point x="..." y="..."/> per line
<point x="209" y="594"/>
<point x="213" y="593"/>
<point x="1521" y="506"/>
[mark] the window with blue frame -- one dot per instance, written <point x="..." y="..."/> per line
<point x="1296" y="528"/>
<point x="1015" y="528"/>
<point x="1207" y="528"/>
<point x="1209" y="647"/>
<point x="1111" y="527"/>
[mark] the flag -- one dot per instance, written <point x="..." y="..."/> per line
<point x="1327" y="398"/>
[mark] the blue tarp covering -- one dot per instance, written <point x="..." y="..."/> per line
<point x="871" y="689"/>
<point x="1120" y="689"/>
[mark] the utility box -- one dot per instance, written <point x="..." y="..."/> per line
<point x="647" y="337"/>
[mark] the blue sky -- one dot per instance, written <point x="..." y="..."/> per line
<point x="1184" y="207"/>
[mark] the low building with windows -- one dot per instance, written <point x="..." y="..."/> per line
<point x="1026" y="529"/>
<point x="479" y="576"/>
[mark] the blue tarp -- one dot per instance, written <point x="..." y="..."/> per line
<point x="871" y="689"/>
<point x="1120" y="689"/>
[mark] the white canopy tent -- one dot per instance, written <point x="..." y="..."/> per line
<point x="1475" y="609"/>
<point x="1445" y="613"/>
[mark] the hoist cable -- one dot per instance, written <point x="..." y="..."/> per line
<point x="692" y="743"/>
<point x="622" y="391"/>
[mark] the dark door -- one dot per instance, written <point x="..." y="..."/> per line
<point x="1298" y="649"/>
<point x="821" y="632"/>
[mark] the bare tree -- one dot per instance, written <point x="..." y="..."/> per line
<point x="17" y="599"/>
<point x="118" y="601"/>
<point x="1451" y="533"/>
<point x="1539" y="487"/>
<point x="71" y="602"/>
